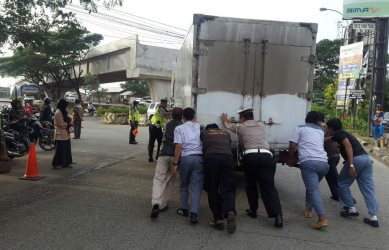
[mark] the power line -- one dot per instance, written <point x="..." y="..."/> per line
<point x="133" y="33"/>
<point x="128" y="14"/>
<point x="127" y="22"/>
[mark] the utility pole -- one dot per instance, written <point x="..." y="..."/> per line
<point x="377" y="90"/>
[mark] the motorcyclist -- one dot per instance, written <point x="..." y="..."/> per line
<point x="16" y="112"/>
<point x="91" y="109"/>
<point x="46" y="112"/>
<point x="28" y="108"/>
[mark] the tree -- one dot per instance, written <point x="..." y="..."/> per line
<point x="76" y="42"/>
<point x="52" y="57"/>
<point x="330" y="95"/>
<point x="92" y="87"/>
<point x="22" y="18"/>
<point x="140" y="87"/>
<point x="326" y="68"/>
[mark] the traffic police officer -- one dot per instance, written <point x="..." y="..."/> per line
<point x="133" y="117"/>
<point x="259" y="165"/>
<point x="158" y="121"/>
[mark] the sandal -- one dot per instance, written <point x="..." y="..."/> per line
<point x="218" y="226"/>
<point x="183" y="212"/>
<point x="250" y="213"/>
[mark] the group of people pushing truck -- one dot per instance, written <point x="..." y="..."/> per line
<point x="204" y="160"/>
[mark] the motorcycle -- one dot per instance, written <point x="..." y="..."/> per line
<point x="17" y="140"/>
<point x="46" y="139"/>
<point x="43" y="133"/>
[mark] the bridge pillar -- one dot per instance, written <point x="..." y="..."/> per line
<point x="159" y="89"/>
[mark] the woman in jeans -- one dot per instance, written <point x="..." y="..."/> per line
<point x="62" y="123"/>
<point x="308" y="140"/>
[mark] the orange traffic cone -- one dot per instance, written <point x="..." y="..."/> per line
<point x="32" y="171"/>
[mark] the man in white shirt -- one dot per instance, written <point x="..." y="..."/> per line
<point x="189" y="161"/>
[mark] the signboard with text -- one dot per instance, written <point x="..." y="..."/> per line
<point x="365" y="8"/>
<point x="350" y="64"/>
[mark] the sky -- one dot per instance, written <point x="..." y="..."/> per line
<point x="179" y="13"/>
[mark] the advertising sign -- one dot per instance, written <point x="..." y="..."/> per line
<point x="363" y="26"/>
<point x="350" y="64"/>
<point x="365" y="8"/>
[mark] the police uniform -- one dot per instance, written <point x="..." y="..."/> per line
<point x="259" y="167"/>
<point x="158" y="121"/>
<point x="133" y="117"/>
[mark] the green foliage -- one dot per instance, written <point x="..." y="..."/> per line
<point x="142" y="110"/>
<point x="51" y="56"/>
<point x="118" y="110"/>
<point x="140" y="87"/>
<point x="330" y="95"/>
<point x="23" y="19"/>
<point x="326" y="68"/>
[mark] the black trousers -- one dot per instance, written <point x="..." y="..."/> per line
<point x="77" y="128"/>
<point x="134" y="125"/>
<point x="220" y="184"/>
<point x="332" y="175"/>
<point x="154" y="134"/>
<point x="260" y="170"/>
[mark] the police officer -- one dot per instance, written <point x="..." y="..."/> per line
<point x="158" y="121"/>
<point x="259" y="165"/>
<point x="133" y="118"/>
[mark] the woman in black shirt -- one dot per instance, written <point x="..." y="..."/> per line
<point x="357" y="166"/>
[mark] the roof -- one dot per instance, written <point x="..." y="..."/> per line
<point x="112" y="89"/>
<point x="128" y="93"/>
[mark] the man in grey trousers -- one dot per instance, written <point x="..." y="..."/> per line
<point x="188" y="159"/>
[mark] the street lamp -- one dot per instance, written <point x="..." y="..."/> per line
<point x="325" y="9"/>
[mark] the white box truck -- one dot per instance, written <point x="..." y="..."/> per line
<point x="228" y="64"/>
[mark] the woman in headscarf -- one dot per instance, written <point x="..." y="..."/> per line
<point x="62" y="123"/>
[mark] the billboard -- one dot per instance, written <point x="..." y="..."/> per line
<point x="350" y="64"/>
<point x="365" y="8"/>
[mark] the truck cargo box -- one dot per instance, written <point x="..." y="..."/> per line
<point x="227" y="64"/>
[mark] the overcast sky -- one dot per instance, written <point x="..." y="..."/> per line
<point x="179" y="13"/>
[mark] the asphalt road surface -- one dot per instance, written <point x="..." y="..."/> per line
<point x="104" y="203"/>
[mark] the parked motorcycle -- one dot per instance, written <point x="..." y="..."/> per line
<point x="46" y="139"/>
<point x="20" y="133"/>
<point x="17" y="139"/>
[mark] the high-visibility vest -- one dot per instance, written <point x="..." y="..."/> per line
<point x="158" y="119"/>
<point x="134" y="115"/>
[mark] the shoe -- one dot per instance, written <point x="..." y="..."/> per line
<point x="355" y="202"/>
<point x="164" y="208"/>
<point x="183" y="212"/>
<point x="373" y="223"/>
<point x="250" y="213"/>
<point x="217" y="226"/>
<point x="194" y="218"/>
<point x="278" y="221"/>
<point x="308" y="214"/>
<point x="155" y="211"/>
<point x="68" y="166"/>
<point x="320" y="224"/>
<point x="151" y="160"/>
<point x="334" y="198"/>
<point x="57" y="167"/>
<point x="135" y="142"/>
<point x="346" y="213"/>
<point x="231" y="222"/>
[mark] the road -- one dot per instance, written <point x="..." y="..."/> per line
<point x="104" y="203"/>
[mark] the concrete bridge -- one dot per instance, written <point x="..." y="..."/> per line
<point x="129" y="59"/>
